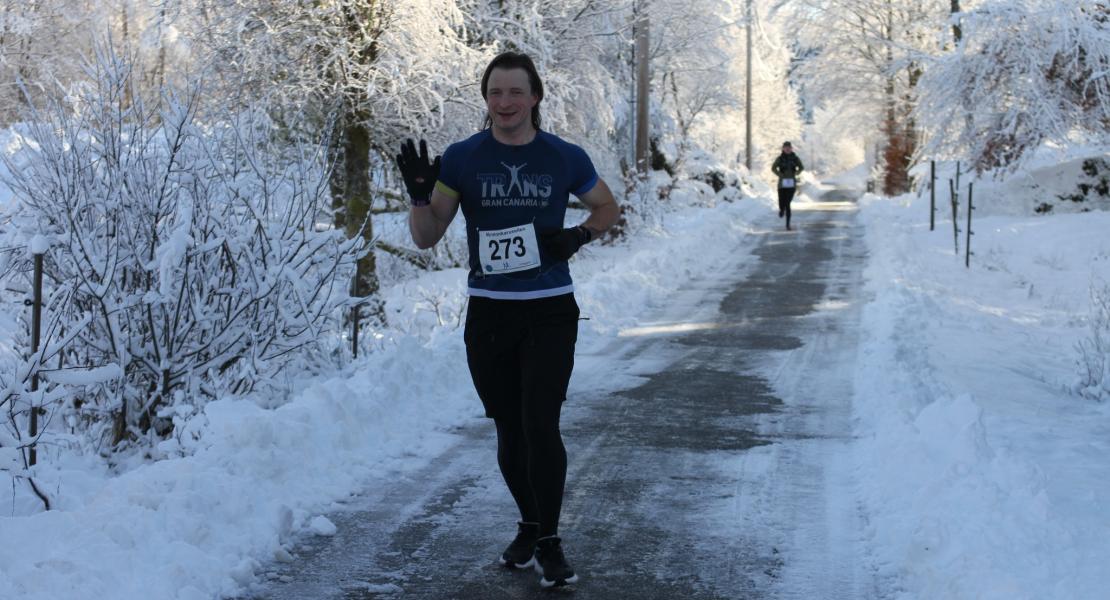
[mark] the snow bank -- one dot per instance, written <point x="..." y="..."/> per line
<point x="1052" y="177"/>
<point x="197" y="525"/>
<point x="983" y="476"/>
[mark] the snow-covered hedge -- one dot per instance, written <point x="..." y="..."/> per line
<point x="184" y="260"/>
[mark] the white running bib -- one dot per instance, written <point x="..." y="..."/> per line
<point x="787" y="183"/>
<point x="508" y="250"/>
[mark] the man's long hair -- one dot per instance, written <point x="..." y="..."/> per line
<point x="515" y="60"/>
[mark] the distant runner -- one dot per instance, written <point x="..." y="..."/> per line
<point x="513" y="181"/>
<point x="787" y="166"/>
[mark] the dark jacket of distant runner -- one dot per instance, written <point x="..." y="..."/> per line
<point x="787" y="166"/>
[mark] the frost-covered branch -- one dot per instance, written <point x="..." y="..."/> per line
<point x="1026" y="73"/>
<point x="185" y="251"/>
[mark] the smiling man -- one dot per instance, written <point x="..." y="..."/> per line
<point x="513" y="181"/>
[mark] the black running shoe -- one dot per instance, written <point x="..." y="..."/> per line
<point x="552" y="565"/>
<point x="520" y="553"/>
<point x="781" y="213"/>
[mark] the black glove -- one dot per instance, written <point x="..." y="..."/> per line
<point x="419" y="175"/>
<point x="561" y="244"/>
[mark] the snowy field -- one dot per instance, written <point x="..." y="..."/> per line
<point x="984" y="475"/>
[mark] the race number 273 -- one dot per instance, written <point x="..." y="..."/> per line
<point x="509" y="250"/>
<point x="501" y="248"/>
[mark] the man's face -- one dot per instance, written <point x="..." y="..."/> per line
<point x="787" y="149"/>
<point x="509" y="99"/>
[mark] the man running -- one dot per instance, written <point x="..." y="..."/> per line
<point x="787" y="166"/>
<point x="513" y="181"/>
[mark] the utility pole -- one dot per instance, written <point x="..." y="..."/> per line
<point x="643" y="58"/>
<point x="748" y="96"/>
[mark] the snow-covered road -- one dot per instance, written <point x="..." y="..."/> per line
<point x="710" y="455"/>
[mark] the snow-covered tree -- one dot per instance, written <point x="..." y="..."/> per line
<point x="380" y="70"/>
<point x="721" y="126"/>
<point x="40" y="43"/>
<point x="1026" y="72"/>
<point x="830" y="143"/>
<point x="867" y="55"/>
<point x="183" y="261"/>
<point x="693" y="47"/>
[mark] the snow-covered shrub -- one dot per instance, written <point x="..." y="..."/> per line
<point x="1094" y="185"/>
<point x="706" y="168"/>
<point x="183" y="259"/>
<point x="1027" y="72"/>
<point x="645" y="203"/>
<point x="1094" y="350"/>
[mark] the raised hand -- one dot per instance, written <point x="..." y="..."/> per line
<point x="419" y="174"/>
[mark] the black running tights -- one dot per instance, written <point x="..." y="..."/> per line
<point x="521" y="354"/>
<point x="534" y="464"/>
<point x="785" y="196"/>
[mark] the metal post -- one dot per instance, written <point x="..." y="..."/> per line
<point x="355" y="315"/>
<point x="957" y="177"/>
<point x="932" y="195"/>
<point x="955" y="216"/>
<point x="36" y="332"/>
<point x="748" y="96"/>
<point x="967" y="245"/>
<point x="642" y="87"/>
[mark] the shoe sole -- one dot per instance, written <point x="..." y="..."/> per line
<point x="545" y="583"/>
<point x="512" y="565"/>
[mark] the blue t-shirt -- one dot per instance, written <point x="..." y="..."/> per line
<point x="501" y="186"/>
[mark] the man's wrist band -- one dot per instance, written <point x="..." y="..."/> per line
<point x="589" y="234"/>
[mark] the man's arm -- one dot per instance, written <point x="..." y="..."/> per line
<point x="561" y="244"/>
<point x="603" y="208"/>
<point x="427" y="224"/>
<point x="775" y="166"/>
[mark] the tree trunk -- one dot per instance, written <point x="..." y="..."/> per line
<point x="125" y="19"/>
<point x="159" y="79"/>
<point x="338" y="182"/>
<point x="901" y="143"/>
<point x="896" y="128"/>
<point x="957" y="31"/>
<point x="354" y="174"/>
